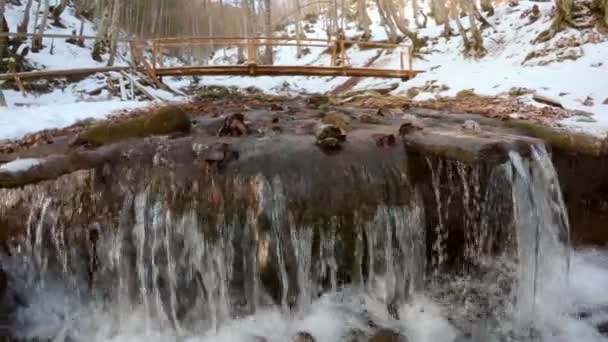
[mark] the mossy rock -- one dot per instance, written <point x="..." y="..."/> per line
<point x="214" y="92"/>
<point x="568" y="141"/>
<point x="340" y="120"/>
<point x="466" y="94"/>
<point x="162" y="121"/>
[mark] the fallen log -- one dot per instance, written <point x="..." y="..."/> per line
<point x="59" y="73"/>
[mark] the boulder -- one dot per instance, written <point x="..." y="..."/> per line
<point x="303" y="336"/>
<point x="330" y="138"/>
<point x="387" y="335"/>
<point x="340" y="120"/>
<point x="234" y="126"/>
<point x="471" y="126"/>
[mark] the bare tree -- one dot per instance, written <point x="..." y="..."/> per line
<point x="487" y="7"/>
<point x="102" y="33"/>
<point x="363" y="19"/>
<point x="601" y="6"/>
<point x="3" y="40"/>
<point x="25" y="21"/>
<point x="268" y="31"/>
<point x="114" y="29"/>
<point x="440" y="13"/>
<point x="562" y="19"/>
<point x="299" y="32"/>
<point x="59" y="8"/>
<point x="37" y="42"/>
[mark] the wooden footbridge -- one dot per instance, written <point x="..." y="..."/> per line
<point x="148" y="57"/>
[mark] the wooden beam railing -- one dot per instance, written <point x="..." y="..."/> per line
<point x="147" y="56"/>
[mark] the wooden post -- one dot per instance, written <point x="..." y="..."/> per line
<point x="401" y="59"/>
<point x="250" y="51"/>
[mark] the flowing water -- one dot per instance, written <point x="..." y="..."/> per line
<point x="270" y="271"/>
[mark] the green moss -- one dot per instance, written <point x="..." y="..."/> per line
<point x="162" y="121"/>
<point x="466" y="94"/>
<point x="213" y="92"/>
<point x="569" y="141"/>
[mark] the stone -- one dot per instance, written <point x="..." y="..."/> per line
<point x="234" y="125"/>
<point x="547" y="100"/>
<point x="466" y="94"/>
<point x="409" y="127"/>
<point x="330" y="138"/>
<point x="471" y="126"/>
<point x="303" y="336"/>
<point x="337" y="119"/>
<point x="317" y="100"/>
<point x="370" y="119"/>
<point x="605" y="101"/>
<point x="220" y="154"/>
<point x="588" y="102"/>
<point x="384" y="140"/>
<point x="387" y="335"/>
<point x="518" y="91"/>
<point x="602" y="328"/>
<point x="275" y="107"/>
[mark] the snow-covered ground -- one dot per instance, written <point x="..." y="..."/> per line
<point x="504" y="67"/>
<point x="572" y="81"/>
<point x="67" y="103"/>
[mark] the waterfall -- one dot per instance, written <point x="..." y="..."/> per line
<point x="258" y="256"/>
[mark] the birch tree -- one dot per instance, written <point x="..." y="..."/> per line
<point x="114" y="29"/>
<point x="3" y="40"/>
<point x="37" y="42"/>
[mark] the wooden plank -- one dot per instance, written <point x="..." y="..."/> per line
<point x="59" y="73"/>
<point x="270" y="70"/>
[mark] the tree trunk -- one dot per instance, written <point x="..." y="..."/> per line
<point x="114" y="29"/>
<point x="389" y="26"/>
<point x="268" y="31"/>
<point x="563" y="18"/>
<point x="298" y="28"/>
<point x="401" y="24"/>
<point x="487" y="7"/>
<point x="37" y="42"/>
<point x="3" y="40"/>
<point x="25" y="22"/>
<point x="59" y="8"/>
<point x="102" y="33"/>
<point x="364" y="20"/>
<point x="476" y="48"/>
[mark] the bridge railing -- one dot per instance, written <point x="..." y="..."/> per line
<point x="335" y="53"/>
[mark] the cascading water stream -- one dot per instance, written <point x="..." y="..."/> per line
<point x="261" y="264"/>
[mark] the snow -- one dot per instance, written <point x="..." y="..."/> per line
<point x="17" y="122"/>
<point x="20" y="165"/>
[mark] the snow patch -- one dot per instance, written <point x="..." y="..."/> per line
<point x="20" y="165"/>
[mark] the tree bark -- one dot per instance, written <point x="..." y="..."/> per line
<point x="3" y="40"/>
<point x="487" y="7"/>
<point x="363" y="19"/>
<point x="388" y="24"/>
<point x="401" y="24"/>
<point x="59" y="8"/>
<point x="268" y="31"/>
<point x="25" y="22"/>
<point x="114" y="29"/>
<point x="102" y="34"/>
<point x="298" y="28"/>
<point x="37" y="42"/>
<point x="476" y="48"/>
<point x="563" y="19"/>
